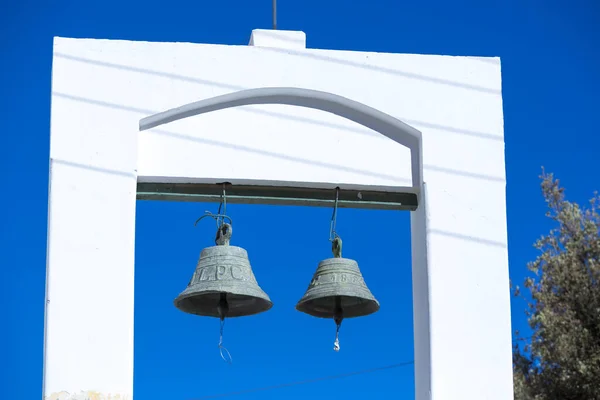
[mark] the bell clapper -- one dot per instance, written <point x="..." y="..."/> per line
<point x="336" y="344"/>
<point x="338" y="317"/>
<point x="223" y="309"/>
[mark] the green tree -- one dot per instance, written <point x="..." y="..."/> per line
<point x="561" y="361"/>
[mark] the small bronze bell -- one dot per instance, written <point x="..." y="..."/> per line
<point x="338" y="290"/>
<point x="223" y="284"/>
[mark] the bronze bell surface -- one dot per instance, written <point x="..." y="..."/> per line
<point x="338" y="290"/>
<point x="223" y="284"/>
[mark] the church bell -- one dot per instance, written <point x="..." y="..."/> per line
<point x="338" y="290"/>
<point x="223" y="284"/>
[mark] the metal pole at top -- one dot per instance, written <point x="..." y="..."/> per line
<point x="274" y="14"/>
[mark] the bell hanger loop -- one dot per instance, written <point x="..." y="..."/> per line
<point x="334" y="238"/>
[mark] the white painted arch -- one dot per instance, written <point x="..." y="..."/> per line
<point x="354" y="111"/>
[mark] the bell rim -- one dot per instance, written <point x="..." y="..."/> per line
<point x="265" y="302"/>
<point x="229" y="290"/>
<point x="225" y="287"/>
<point x="373" y="307"/>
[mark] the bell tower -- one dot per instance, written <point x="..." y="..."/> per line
<point x="418" y="133"/>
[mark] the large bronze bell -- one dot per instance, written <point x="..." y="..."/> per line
<point x="223" y="284"/>
<point x="338" y="290"/>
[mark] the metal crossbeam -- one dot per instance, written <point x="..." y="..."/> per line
<point x="278" y="193"/>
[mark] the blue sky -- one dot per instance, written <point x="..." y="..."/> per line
<point x="550" y="57"/>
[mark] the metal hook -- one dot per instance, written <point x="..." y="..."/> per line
<point x="223" y="204"/>
<point x="332" y="233"/>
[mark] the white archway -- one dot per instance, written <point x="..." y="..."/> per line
<point x="385" y="125"/>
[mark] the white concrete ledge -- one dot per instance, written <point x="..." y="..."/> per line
<point x="278" y="39"/>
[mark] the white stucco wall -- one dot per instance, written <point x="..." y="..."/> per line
<point x="101" y="88"/>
